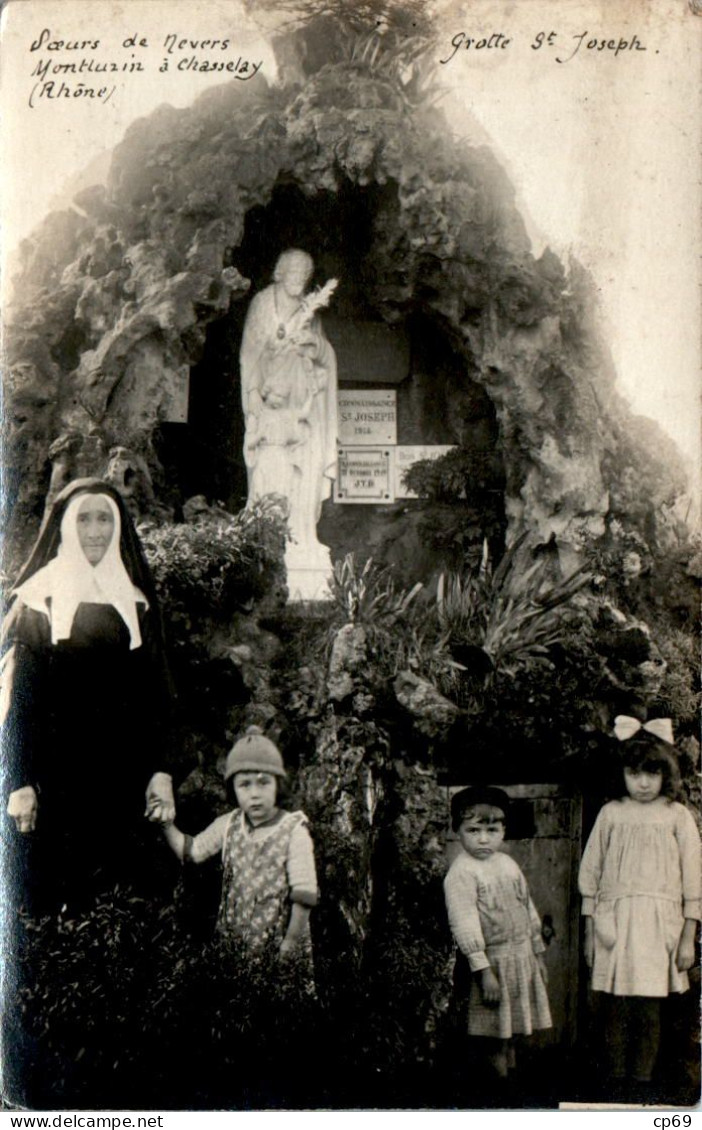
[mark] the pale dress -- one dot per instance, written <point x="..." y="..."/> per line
<point x="495" y="923"/>
<point x="640" y="878"/>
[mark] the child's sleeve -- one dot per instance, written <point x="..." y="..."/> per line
<point x="302" y="874"/>
<point x="689" y="846"/>
<point x="592" y="863"/>
<point x="211" y="841"/>
<point x="461" y="892"/>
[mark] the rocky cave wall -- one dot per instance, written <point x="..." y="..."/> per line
<point x="114" y="297"/>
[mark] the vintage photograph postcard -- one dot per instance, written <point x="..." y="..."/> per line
<point x="351" y="555"/>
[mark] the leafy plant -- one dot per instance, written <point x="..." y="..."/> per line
<point x="461" y="473"/>
<point x="367" y="594"/>
<point x="679" y="695"/>
<point x="210" y="567"/>
<point x="120" y="1005"/>
<point x="462" y="604"/>
<point x="84" y="980"/>
<point x="406" y="60"/>
<point x="425" y="653"/>
<point x="529" y="612"/>
<point x="513" y="615"/>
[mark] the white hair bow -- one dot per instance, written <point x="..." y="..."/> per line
<point x="625" y="727"/>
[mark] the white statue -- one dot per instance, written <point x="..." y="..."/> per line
<point x="288" y="385"/>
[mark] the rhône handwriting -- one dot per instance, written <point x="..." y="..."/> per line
<point x="52" y="92"/>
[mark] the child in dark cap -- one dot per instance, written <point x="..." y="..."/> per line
<point x="496" y="928"/>
<point x="269" y="883"/>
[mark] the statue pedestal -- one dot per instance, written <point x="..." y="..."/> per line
<point x="308" y="571"/>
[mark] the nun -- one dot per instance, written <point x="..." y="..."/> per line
<point x="86" y="704"/>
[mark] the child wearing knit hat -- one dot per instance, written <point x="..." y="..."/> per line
<point x="269" y="883"/>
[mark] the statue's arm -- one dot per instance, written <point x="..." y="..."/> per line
<point x="253" y="343"/>
<point x="321" y="353"/>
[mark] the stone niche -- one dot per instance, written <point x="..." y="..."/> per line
<point x="385" y="337"/>
<point x="126" y="327"/>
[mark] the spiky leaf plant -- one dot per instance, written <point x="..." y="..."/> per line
<point x="514" y="614"/>
<point x="367" y="594"/>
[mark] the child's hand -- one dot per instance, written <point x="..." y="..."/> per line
<point x="288" y="947"/>
<point x="685" y="957"/>
<point x="489" y="986"/>
<point x="160" y="803"/>
<point x="160" y="813"/>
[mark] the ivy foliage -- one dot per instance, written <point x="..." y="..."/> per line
<point x="208" y="569"/>
<point x="460" y="474"/>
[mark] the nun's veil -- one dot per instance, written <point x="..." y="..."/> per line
<point x="49" y="537"/>
<point x="46" y="547"/>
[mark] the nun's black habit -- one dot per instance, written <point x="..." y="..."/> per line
<point x="88" y="707"/>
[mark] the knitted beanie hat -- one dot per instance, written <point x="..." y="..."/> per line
<point x="254" y="753"/>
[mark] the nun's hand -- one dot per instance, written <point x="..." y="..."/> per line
<point x="160" y="802"/>
<point x="22" y="807"/>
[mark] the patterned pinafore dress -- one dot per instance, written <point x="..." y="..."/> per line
<point x="255" y="905"/>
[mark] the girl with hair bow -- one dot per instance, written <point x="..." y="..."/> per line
<point x="641" y="890"/>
